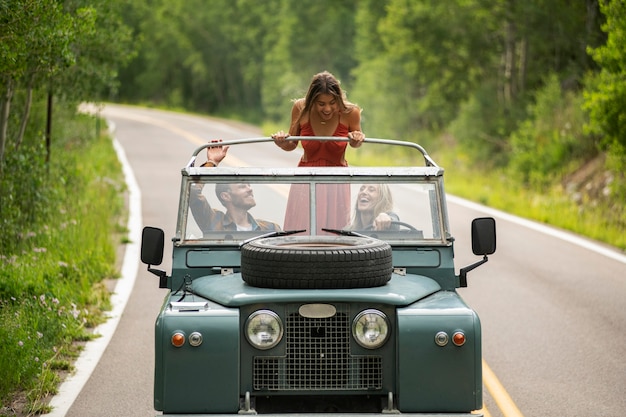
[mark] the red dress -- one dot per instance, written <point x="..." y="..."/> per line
<point x="333" y="200"/>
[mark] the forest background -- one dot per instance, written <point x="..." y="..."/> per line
<point x="526" y="96"/>
<point x="522" y="101"/>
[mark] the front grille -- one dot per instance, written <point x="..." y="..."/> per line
<point x="317" y="357"/>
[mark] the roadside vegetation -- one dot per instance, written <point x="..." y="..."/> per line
<point x="521" y="102"/>
<point x="61" y="225"/>
<point x="62" y="205"/>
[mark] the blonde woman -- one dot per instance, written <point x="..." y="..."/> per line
<point x="373" y="208"/>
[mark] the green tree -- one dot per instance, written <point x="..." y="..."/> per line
<point x="605" y="93"/>
<point x="307" y="37"/>
<point x="374" y="75"/>
<point x="546" y="145"/>
<point x="103" y="45"/>
<point x="431" y="56"/>
<point x="606" y="97"/>
<point x="528" y="40"/>
<point x="36" y="44"/>
<point x="47" y="46"/>
<point x="203" y="58"/>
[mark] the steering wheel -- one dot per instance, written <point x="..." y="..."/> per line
<point x="403" y="224"/>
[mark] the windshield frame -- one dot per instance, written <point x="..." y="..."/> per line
<point x="428" y="176"/>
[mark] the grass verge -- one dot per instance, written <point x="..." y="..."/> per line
<point x="55" y="259"/>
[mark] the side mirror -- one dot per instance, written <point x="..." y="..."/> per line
<point x="152" y="244"/>
<point x="483" y="236"/>
<point x="483" y="243"/>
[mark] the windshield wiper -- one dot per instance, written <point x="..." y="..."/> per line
<point x="344" y="232"/>
<point x="272" y="234"/>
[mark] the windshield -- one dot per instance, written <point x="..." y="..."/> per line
<point x="226" y="213"/>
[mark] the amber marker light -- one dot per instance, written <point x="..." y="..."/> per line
<point x="458" y="338"/>
<point x="178" y="339"/>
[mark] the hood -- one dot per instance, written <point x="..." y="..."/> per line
<point x="232" y="291"/>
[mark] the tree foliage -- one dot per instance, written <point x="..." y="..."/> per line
<point x="551" y="135"/>
<point x="36" y="39"/>
<point x="68" y="47"/>
<point x="606" y="97"/>
<point x="472" y="69"/>
<point x="412" y="65"/>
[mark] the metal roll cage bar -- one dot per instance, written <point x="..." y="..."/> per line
<point x="429" y="162"/>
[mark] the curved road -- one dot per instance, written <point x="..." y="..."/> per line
<point x="551" y="304"/>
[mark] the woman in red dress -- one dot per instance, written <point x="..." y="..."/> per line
<point x="322" y="112"/>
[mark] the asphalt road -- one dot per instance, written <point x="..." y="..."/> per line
<point x="552" y="310"/>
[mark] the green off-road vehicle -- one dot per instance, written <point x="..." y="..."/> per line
<point x="309" y="306"/>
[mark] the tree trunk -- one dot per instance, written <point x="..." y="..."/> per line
<point x="523" y="64"/>
<point x="509" y="63"/>
<point x="591" y="30"/>
<point x="5" y="110"/>
<point x="49" y="127"/>
<point x="27" y="106"/>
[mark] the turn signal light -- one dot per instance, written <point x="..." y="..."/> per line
<point x="178" y="339"/>
<point x="458" y="338"/>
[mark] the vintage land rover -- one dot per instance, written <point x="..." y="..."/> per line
<point x="332" y="315"/>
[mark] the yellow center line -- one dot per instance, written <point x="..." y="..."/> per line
<point x="484" y="412"/>
<point x="501" y="397"/>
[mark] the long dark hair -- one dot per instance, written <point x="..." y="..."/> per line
<point x="324" y="83"/>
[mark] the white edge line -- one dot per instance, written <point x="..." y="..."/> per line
<point x="568" y="237"/>
<point x="94" y="349"/>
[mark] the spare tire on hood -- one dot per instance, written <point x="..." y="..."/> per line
<point x="316" y="262"/>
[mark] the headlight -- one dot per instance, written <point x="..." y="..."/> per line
<point x="264" y="329"/>
<point x="370" y="328"/>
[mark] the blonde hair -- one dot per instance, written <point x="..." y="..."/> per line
<point x="383" y="205"/>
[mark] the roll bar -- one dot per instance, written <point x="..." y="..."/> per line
<point x="427" y="159"/>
